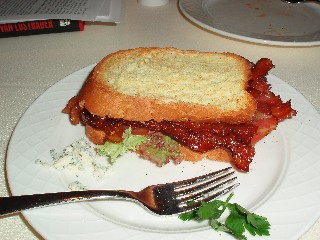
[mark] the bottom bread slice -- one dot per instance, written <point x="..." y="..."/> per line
<point x="98" y="137"/>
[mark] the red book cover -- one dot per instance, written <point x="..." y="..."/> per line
<point x="40" y="27"/>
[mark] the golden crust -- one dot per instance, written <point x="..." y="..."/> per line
<point x="102" y="100"/>
<point x="218" y="154"/>
<point x="95" y="136"/>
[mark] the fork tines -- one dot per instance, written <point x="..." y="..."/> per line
<point x="190" y="193"/>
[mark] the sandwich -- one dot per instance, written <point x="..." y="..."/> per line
<point x="187" y="104"/>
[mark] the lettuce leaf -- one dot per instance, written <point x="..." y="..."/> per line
<point x="114" y="150"/>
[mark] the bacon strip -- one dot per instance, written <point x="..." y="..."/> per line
<point x="199" y="137"/>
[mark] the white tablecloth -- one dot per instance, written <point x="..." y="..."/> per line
<point x="31" y="64"/>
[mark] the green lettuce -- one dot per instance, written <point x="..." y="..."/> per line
<point x="114" y="150"/>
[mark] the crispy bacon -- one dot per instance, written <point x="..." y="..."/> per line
<point x="270" y="108"/>
<point x="261" y="69"/>
<point x="73" y="109"/>
<point x="283" y="111"/>
<point x="264" y="126"/>
<point x="199" y="137"/>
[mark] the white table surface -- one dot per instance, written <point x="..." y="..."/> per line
<point x="31" y="64"/>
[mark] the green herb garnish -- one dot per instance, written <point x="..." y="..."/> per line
<point x="238" y="221"/>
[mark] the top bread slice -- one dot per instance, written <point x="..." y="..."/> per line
<point x="170" y="84"/>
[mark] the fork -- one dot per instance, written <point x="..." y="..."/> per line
<point x="162" y="199"/>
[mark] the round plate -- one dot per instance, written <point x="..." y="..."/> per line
<point x="284" y="173"/>
<point x="272" y="22"/>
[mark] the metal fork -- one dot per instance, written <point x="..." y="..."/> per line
<point x="162" y="199"/>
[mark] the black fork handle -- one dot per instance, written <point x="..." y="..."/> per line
<point x="15" y="204"/>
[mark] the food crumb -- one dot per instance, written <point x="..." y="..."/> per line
<point x="80" y="156"/>
<point x="77" y="186"/>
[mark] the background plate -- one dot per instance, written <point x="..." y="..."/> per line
<point x="272" y="22"/>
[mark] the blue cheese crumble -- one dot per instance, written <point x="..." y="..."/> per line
<point x="77" y="186"/>
<point x="80" y="156"/>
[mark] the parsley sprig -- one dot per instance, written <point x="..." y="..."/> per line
<point x="237" y="222"/>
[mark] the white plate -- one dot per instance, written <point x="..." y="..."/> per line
<point x="271" y="22"/>
<point x="284" y="174"/>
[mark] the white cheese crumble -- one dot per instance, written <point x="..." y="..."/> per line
<point x="77" y="186"/>
<point x="80" y="156"/>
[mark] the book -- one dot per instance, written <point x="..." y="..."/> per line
<point x="40" y="27"/>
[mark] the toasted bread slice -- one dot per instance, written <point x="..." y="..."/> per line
<point x="170" y="84"/>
